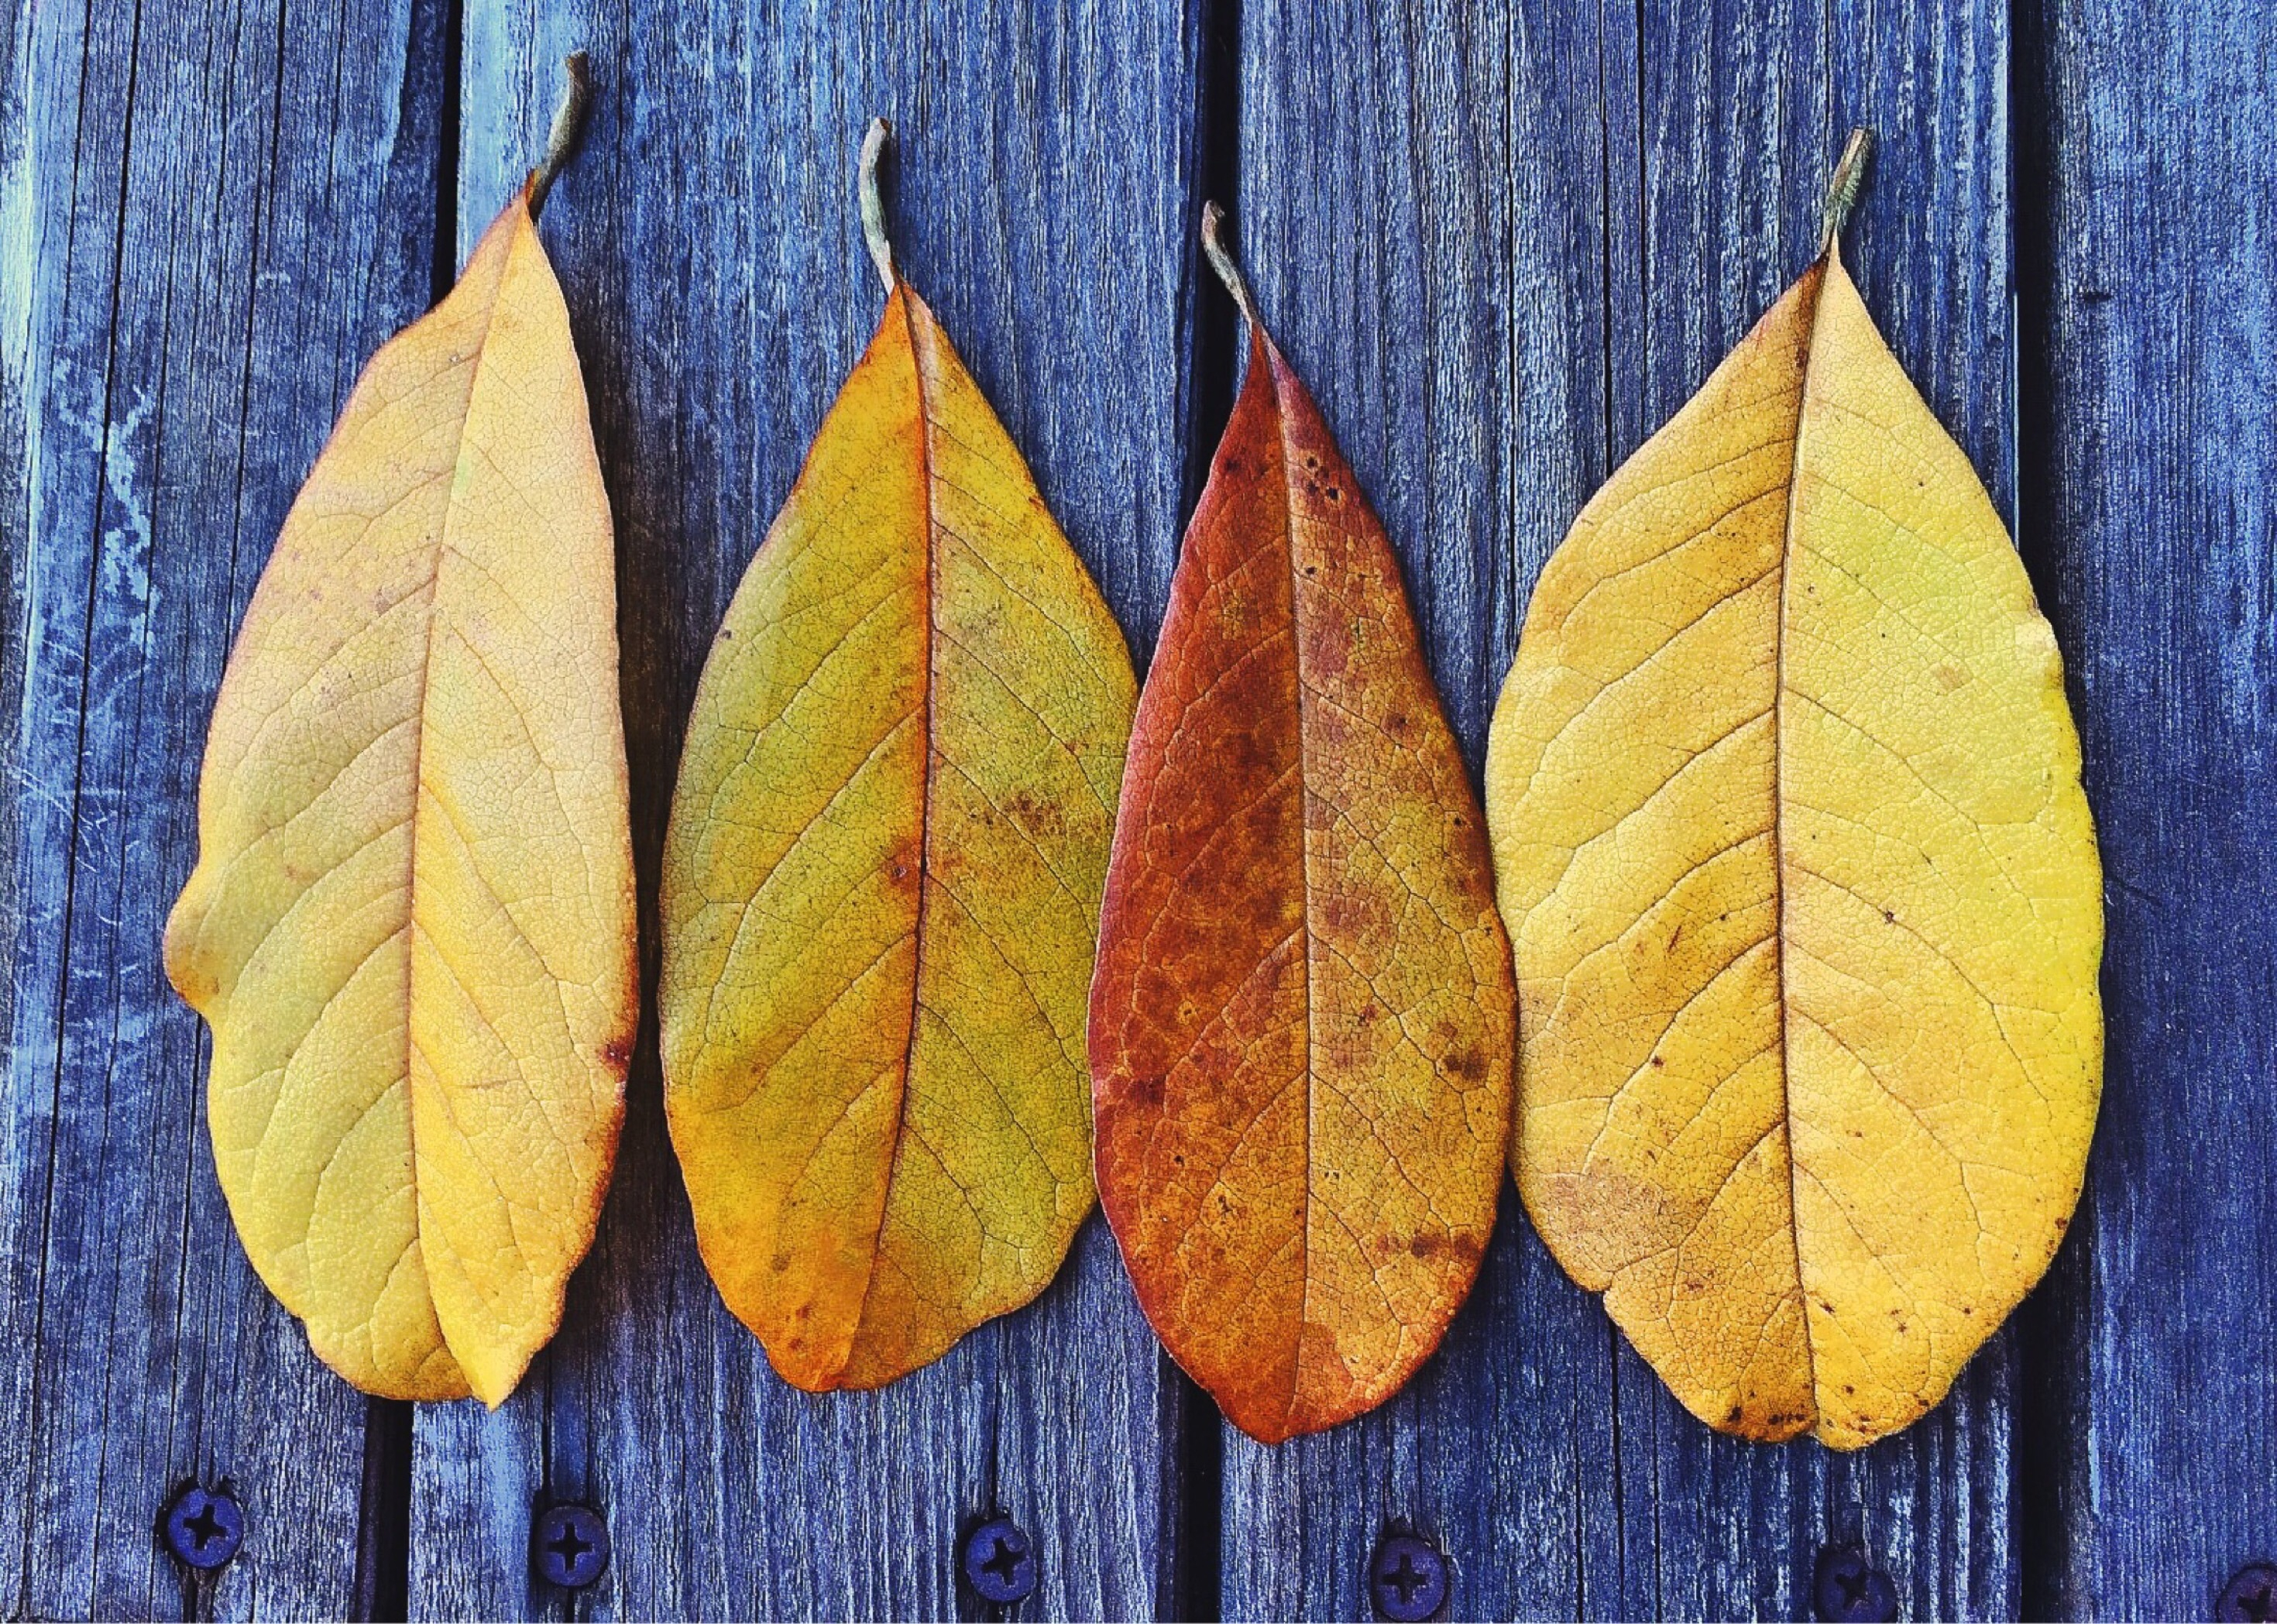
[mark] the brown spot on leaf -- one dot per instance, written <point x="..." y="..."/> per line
<point x="1041" y="819"/>
<point x="1460" y="1248"/>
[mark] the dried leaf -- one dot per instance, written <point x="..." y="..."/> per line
<point x="1301" y="1027"/>
<point x="881" y="883"/>
<point x="1803" y="892"/>
<point x="411" y="923"/>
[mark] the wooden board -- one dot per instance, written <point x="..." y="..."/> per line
<point x="210" y="219"/>
<point x="708" y="246"/>
<point x="1503" y="250"/>
<point x="2150" y="372"/>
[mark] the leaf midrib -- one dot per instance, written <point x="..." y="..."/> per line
<point x="925" y="835"/>
<point x="1264" y="355"/>
<point x="443" y="548"/>
<point x="1779" y="826"/>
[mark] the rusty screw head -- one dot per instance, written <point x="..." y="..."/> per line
<point x="2250" y="1596"/>
<point x="998" y="1562"/>
<point x="1407" y="1578"/>
<point x="569" y="1546"/>
<point x="1846" y="1589"/>
<point x="202" y="1528"/>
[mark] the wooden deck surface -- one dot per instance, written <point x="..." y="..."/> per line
<point x="1502" y="245"/>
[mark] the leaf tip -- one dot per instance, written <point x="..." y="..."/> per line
<point x="1222" y="261"/>
<point x="1843" y="188"/>
<point x="568" y="125"/>
<point x="875" y="142"/>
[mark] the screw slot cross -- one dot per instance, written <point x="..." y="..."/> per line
<point x="1004" y="1562"/>
<point x="203" y="1528"/>
<point x="1404" y="1579"/>
<point x="569" y="1546"/>
<point x="1850" y="1582"/>
<point x="998" y="1561"/>
<point x="1846" y="1586"/>
<point x="1407" y="1579"/>
<point x="2250" y="1596"/>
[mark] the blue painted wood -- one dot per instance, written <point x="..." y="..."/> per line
<point x="707" y="243"/>
<point x="1503" y="247"/>
<point x="2149" y="226"/>
<point x="210" y="217"/>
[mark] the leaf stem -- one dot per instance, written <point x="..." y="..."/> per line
<point x="1222" y="261"/>
<point x="1842" y="190"/>
<point x="874" y="143"/>
<point x="568" y="125"/>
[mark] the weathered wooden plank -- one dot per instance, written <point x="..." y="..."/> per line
<point x="2150" y="351"/>
<point x="211" y="216"/>
<point x="1505" y="248"/>
<point x="708" y="246"/>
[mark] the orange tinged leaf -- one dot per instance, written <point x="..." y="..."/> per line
<point x="1803" y="892"/>
<point x="1301" y="1024"/>
<point x="411" y="922"/>
<point x="881" y="880"/>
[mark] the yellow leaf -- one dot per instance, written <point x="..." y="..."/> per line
<point x="411" y="924"/>
<point x="1790" y="838"/>
<point x="881" y="884"/>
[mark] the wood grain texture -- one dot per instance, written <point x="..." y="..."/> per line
<point x="1460" y="221"/>
<point x="707" y="243"/>
<point x="1570" y="217"/>
<point x="210" y="219"/>
<point x="2148" y="229"/>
